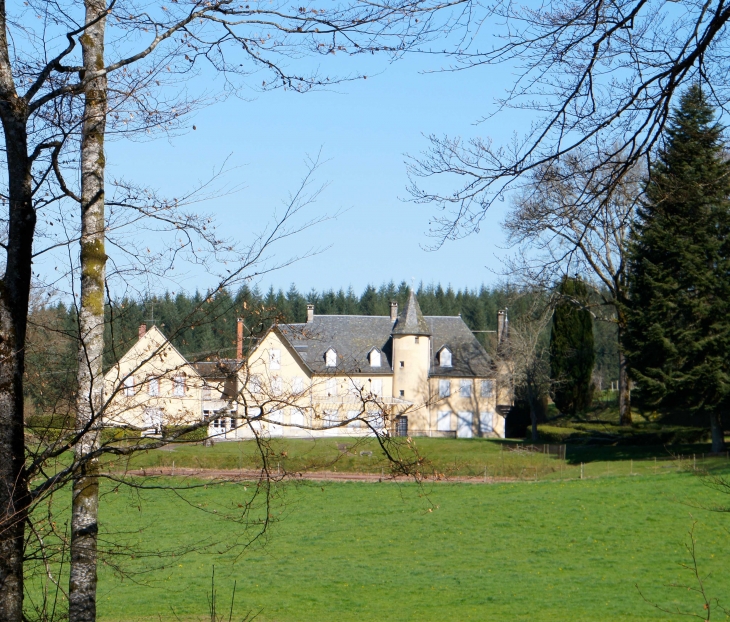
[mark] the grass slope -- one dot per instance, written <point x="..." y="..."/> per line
<point x="570" y="550"/>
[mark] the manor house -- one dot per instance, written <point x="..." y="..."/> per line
<point x="333" y="375"/>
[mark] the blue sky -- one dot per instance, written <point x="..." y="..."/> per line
<point x="364" y="130"/>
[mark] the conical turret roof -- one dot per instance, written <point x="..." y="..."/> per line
<point x="411" y="321"/>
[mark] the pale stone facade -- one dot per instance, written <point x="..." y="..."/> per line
<point x="330" y="376"/>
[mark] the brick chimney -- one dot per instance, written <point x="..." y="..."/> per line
<point x="393" y="310"/>
<point x="239" y="339"/>
<point x="142" y="330"/>
<point x="310" y="314"/>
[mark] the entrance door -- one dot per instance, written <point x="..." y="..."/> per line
<point x="464" y="424"/>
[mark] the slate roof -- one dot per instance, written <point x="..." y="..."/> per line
<point x="351" y="336"/>
<point x="354" y="336"/>
<point x="411" y="321"/>
<point x="217" y="369"/>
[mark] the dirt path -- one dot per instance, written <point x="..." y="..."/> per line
<point x="318" y="476"/>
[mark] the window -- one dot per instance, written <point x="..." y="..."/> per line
<point x="129" y="386"/>
<point x="330" y="358"/>
<point x="376" y="386"/>
<point x="465" y="388"/>
<point x="444" y="388"/>
<point x="445" y="358"/>
<point x="487" y="388"/>
<point x="352" y="419"/>
<point x="402" y="393"/>
<point x="330" y="387"/>
<point x="153" y="387"/>
<point x="297" y="384"/>
<point x="486" y="422"/>
<point x="402" y="364"/>
<point x="443" y="421"/>
<point x="375" y="358"/>
<point x="416" y="339"/>
<point x="276" y="385"/>
<point x="296" y="418"/>
<point x="178" y="386"/>
<point x="331" y="419"/>
<point x="274" y="359"/>
<point x="256" y="384"/>
<point x="207" y="393"/>
<point x="355" y="387"/>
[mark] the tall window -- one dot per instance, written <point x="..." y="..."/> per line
<point x="276" y="385"/>
<point x="129" y="386"/>
<point x="330" y="358"/>
<point x="487" y="388"/>
<point x="443" y="421"/>
<point x="153" y="387"/>
<point x="445" y="358"/>
<point x="331" y="418"/>
<point x="375" y="358"/>
<point x="465" y="388"/>
<point x="296" y="417"/>
<point x="274" y="359"/>
<point x="376" y="386"/>
<point x="255" y="384"/>
<point x="178" y="386"/>
<point x="330" y="387"/>
<point x="352" y="419"/>
<point x="297" y="384"/>
<point x="444" y="388"/>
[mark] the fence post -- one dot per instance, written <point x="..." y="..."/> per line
<point x="631" y="472"/>
<point x="581" y="470"/>
<point x="654" y="465"/>
<point x="485" y="473"/>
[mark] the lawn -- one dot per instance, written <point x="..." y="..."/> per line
<point x="549" y="550"/>
<point x="451" y="457"/>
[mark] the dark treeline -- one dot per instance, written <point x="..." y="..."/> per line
<point x="203" y="325"/>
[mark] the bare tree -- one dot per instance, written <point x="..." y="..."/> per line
<point x="41" y="82"/>
<point x="589" y="74"/>
<point x="567" y="221"/>
<point x="525" y="357"/>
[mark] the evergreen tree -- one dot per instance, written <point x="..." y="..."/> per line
<point x="572" y="355"/>
<point x="678" y="333"/>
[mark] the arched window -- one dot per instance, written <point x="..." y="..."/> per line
<point x="375" y="358"/>
<point x="445" y="357"/>
<point x="330" y="358"/>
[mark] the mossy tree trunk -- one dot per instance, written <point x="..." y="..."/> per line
<point x="14" y="297"/>
<point x="84" y="515"/>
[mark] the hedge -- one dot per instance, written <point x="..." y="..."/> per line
<point x="611" y="434"/>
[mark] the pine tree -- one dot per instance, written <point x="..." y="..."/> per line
<point x="572" y="355"/>
<point x="678" y="333"/>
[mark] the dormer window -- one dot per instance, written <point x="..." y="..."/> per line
<point x="445" y="357"/>
<point x="375" y="358"/>
<point x="330" y="358"/>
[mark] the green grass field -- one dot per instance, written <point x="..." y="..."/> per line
<point x="452" y="457"/>
<point x="549" y="550"/>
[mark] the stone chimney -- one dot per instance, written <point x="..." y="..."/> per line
<point x="142" y="330"/>
<point x="393" y="310"/>
<point x="310" y="314"/>
<point x="239" y="339"/>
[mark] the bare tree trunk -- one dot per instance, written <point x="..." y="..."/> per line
<point x="718" y="434"/>
<point x="533" y="419"/>
<point x="624" y="388"/>
<point x="14" y="296"/>
<point x="85" y="504"/>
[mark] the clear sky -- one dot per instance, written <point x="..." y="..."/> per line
<point x="364" y="130"/>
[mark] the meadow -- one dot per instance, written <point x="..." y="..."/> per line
<point x="555" y="549"/>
